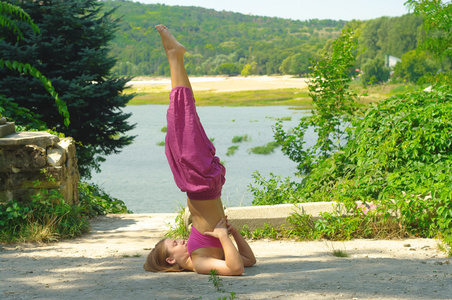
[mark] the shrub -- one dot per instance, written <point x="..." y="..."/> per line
<point x="47" y="217"/>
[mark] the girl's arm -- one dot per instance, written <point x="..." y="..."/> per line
<point x="245" y="251"/>
<point x="232" y="263"/>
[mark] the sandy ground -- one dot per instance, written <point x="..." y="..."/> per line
<point x="227" y="84"/>
<point x="107" y="264"/>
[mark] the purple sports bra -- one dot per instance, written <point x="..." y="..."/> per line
<point x="198" y="240"/>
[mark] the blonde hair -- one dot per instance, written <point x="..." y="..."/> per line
<point x="156" y="260"/>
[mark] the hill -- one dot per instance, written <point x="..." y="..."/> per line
<point x="221" y="42"/>
<point x="213" y="39"/>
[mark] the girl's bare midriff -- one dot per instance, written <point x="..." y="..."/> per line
<point x="205" y="216"/>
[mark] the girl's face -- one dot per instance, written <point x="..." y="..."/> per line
<point x="177" y="249"/>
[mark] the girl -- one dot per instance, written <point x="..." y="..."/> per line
<point x="199" y="173"/>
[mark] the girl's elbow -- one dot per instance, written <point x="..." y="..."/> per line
<point x="238" y="271"/>
<point x="251" y="262"/>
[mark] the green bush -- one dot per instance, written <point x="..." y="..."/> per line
<point x="274" y="190"/>
<point x="47" y="217"/>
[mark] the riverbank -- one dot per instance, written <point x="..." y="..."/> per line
<point x="248" y="91"/>
<point x="107" y="264"/>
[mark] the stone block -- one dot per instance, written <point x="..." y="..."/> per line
<point x="7" y="129"/>
<point x="22" y="158"/>
<point x="56" y="155"/>
<point x="28" y="157"/>
<point x="275" y="215"/>
<point x="39" y="138"/>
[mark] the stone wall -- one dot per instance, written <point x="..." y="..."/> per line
<point x="26" y="157"/>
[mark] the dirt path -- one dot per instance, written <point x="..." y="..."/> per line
<point x="107" y="264"/>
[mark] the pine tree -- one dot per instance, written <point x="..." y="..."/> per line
<point x="72" y="50"/>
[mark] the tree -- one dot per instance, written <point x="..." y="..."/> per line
<point x="228" y="68"/>
<point x="8" y="15"/>
<point x="72" y="51"/>
<point x="437" y="22"/>
<point x="374" y="71"/>
<point x="297" y="64"/>
<point x="413" y="66"/>
<point x="334" y="105"/>
<point x="438" y="25"/>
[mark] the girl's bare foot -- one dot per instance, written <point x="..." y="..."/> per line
<point x="170" y="44"/>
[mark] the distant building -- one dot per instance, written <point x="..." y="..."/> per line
<point x="391" y="61"/>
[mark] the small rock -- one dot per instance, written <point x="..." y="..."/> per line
<point x="406" y="245"/>
<point x="2" y="121"/>
<point x="437" y="263"/>
<point x="412" y="249"/>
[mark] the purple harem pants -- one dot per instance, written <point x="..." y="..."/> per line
<point x="191" y="155"/>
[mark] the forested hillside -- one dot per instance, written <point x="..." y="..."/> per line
<point x="234" y="43"/>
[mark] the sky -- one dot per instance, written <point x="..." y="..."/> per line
<point x="301" y="9"/>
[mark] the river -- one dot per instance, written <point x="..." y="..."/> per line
<point x="141" y="177"/>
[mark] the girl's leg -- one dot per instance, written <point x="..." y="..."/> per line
<point x="190" y="153"/>
<point x="175" y="53"/>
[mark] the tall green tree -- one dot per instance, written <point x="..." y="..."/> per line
<point x="73" y="53"/>
<point x="9" y="14"/>
<point x="374" y="71"/>
<point x="334" y="105"/>
<point x="438" y="24"/>
<point x="414" y="65"/>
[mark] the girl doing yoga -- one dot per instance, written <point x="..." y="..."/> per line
<point x="199" y="173"/>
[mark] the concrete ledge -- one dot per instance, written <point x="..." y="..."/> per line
<point x="40" y="138"/>
<point x="275" y="215"/>
<point x="7" y="129"/>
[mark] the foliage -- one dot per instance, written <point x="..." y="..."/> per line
<point x="47" y="217"/>
<point x="414" y="65"/>
<point x="255" y="45"/>
<point x="72" y="51"/>
<point x="297" y="64"/>
<point x="241" y="138"/>
<point x="438" y="23"/>
<point x="8" y="13"/>
<point x="334" y="104"/>
<point x="216" y="280"/>
<point x="274" y="190"/>
<point x="266" y="149"/>
<point x="374" y="71"/>
<point x="178" y="229"/>
<point x="231" y="150"/>
<point x="259" y="233"/>
<point x="387" y="36"/>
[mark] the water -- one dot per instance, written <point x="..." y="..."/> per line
<point x="141" y="177"/>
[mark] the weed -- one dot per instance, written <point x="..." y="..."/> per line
<point x="178" y="228"/>
<point x="259" y="233"/>
<point x="241" y="138"/>
<point x="230" y="297"/>
<point x="231" y="150"/>
<point x="267" y="149"/>
<point x="163" y="129"/>
<point x="339" y="253"/>
<point x="216" y="280"/>
<point x="162" y="143"/>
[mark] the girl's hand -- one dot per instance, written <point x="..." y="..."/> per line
<point x="220" y="229"/>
